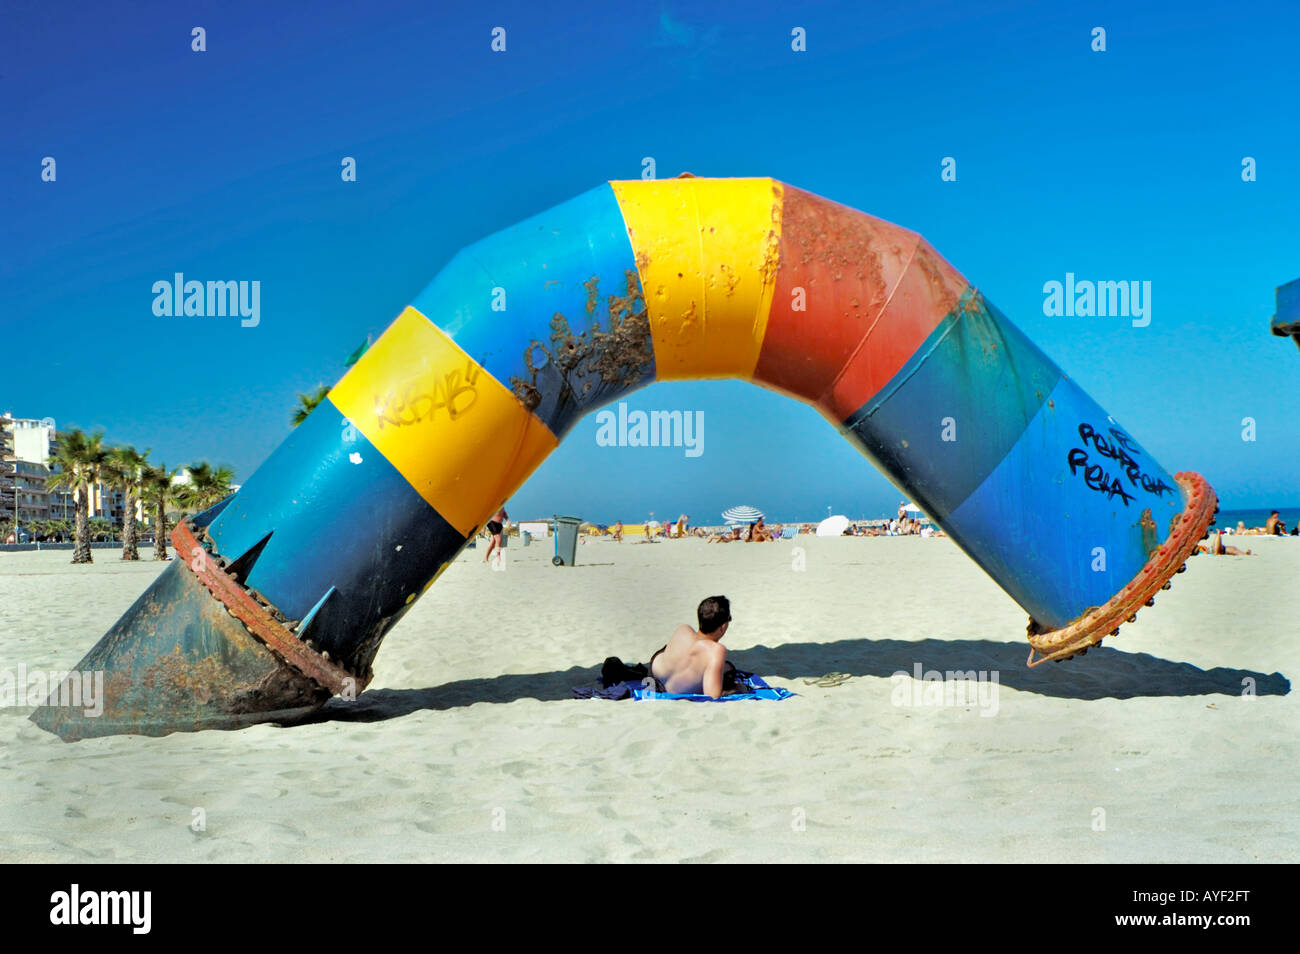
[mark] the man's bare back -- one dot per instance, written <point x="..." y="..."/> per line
<point x="693" y="661"/>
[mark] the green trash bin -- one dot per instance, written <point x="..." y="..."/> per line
<point x="566" y="540"/>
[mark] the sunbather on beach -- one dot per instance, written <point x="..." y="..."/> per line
<point x="1215" y="547"/>
<point x="694" y="662"/>
<point x="618" y="532"/>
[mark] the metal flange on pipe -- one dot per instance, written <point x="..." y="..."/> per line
<point x="281" y="595"/>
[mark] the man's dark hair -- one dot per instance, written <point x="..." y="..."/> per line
<point x="713" y="612"/>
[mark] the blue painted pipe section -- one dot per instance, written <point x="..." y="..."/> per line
<point x="956" y="407"/>
<point x="1026" y="472"/>
<point x="341" y="518"/>
<point x="565" y="266"/>
<point x="1059" y="521"/>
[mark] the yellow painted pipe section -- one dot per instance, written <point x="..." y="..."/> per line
<point x="707" y="252"/>
<point x="457" y="435"/>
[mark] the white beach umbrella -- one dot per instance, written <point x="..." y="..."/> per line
<point x="742" y="515"/>
<point x="913" y="508"/>
<point x="833" y="526"/>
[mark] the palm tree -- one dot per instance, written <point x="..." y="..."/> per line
<point x="307" y="403"/>
<point x="207" y="486"/>
<point x="78" y="462"/>
<point x="156" y="489"/>
<point x="102" y="527"/>
<point x="124" y="470"/>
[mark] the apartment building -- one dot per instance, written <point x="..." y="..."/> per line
<point x="27" y="446"/>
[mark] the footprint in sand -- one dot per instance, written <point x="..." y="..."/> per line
<point x="635" y="750"/>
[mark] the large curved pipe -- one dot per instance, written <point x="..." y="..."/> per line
<point x="522" y="334"/>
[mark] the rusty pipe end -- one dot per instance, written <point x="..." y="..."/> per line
<point x="195" y="651"/>
<point x="1094" y="625"/>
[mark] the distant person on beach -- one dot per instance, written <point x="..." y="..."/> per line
<point x="691" y="661"/>
<point x="495" y="526"/>
<point x="1215" y="547"/>
<point x="618" y="532"/>
<point x="1270" y="525"/>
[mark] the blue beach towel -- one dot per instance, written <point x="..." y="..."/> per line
<point x="758" y="690"/>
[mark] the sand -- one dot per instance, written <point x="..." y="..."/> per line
<point x="468" y="746"/>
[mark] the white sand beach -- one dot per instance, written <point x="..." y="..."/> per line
<point x="468" y="746"/>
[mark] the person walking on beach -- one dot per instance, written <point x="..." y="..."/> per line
<point x="618" y="532"/>
<point x="695" y="661"/>
<point x="500" y="520"/>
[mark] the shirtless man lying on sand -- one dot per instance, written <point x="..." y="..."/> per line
<point x="694" y="662"/>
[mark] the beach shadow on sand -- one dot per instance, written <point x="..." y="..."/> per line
<point x="1104" y="674"/>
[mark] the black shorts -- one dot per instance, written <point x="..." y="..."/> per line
<point x="493" y="527"/>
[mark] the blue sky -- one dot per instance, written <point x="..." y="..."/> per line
<point x="1117" y="165"/>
